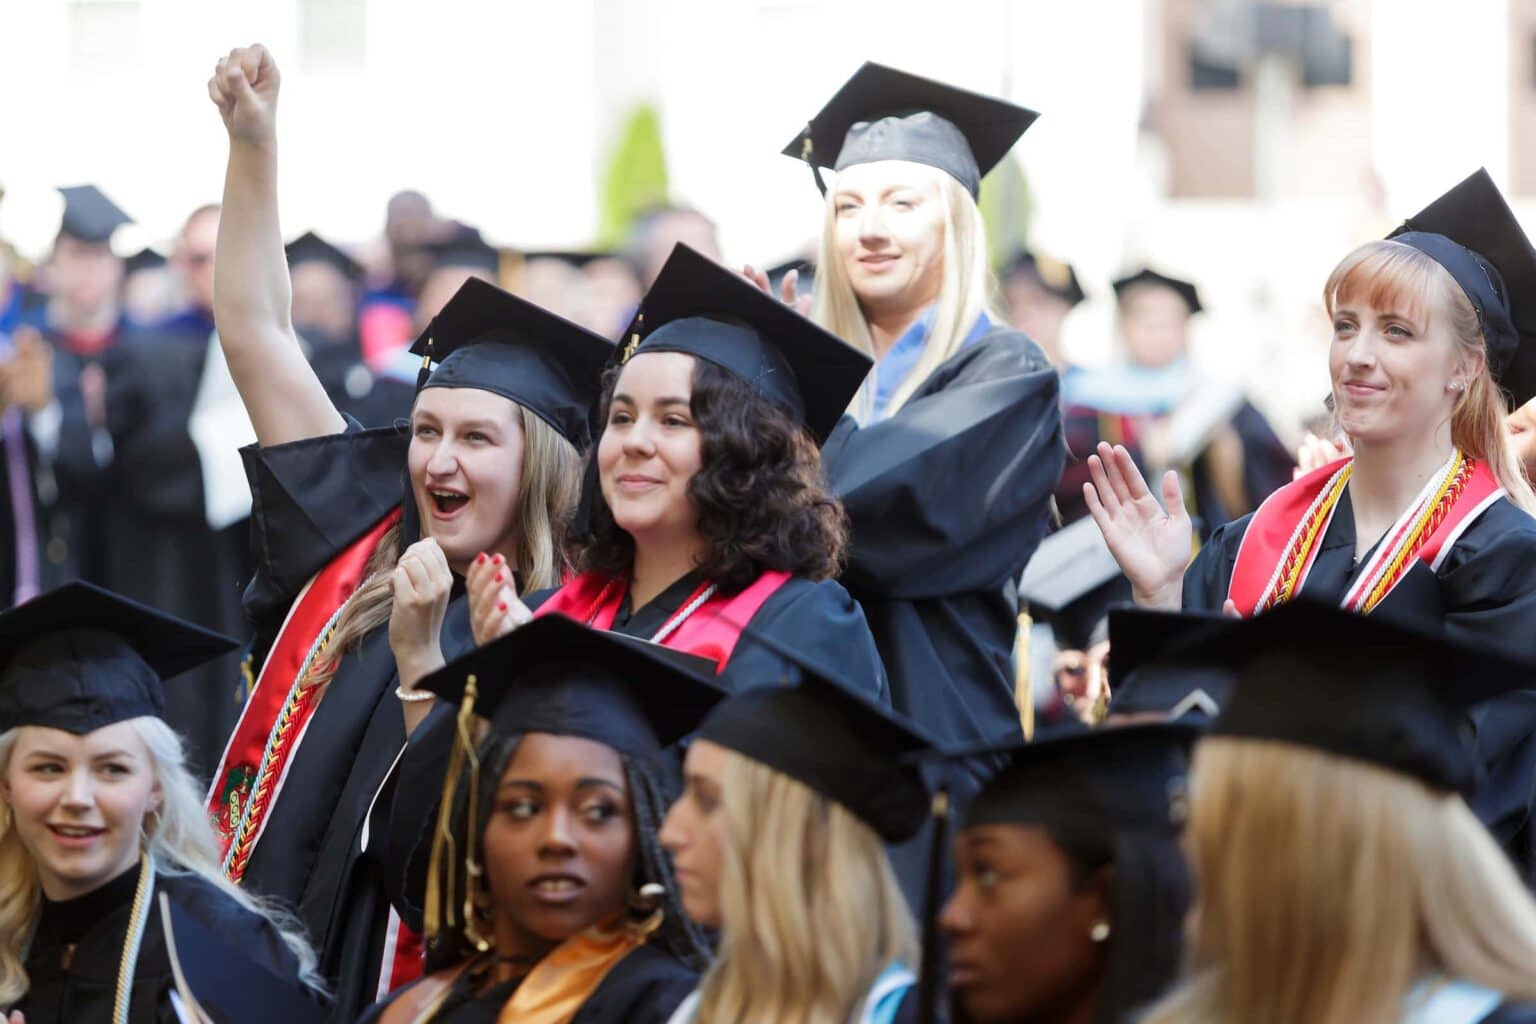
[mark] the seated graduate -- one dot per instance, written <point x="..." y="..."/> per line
<point x="548" y="899"/>
<point x="1071" y="888"/>
<point x="1342" y="877"/>
<point x="1431" y="517"/>
<point x="704" y="508"/>
<point x="790" y="794"/>
<point x="361" y="539"/>
<point x="101" y="819"/>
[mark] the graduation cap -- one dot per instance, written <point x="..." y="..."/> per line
<point x="144" y="259"/>
<point x="834" y="739"/>
<point x="1361" y="687"/>
<point x="700" y="308"/>
<point x="89" y="215"/>
<point x="464" y="247"/>
<point x="492" y="340"/>
<point x="558" y="676"/>
<point x="1055" y="276"/>
<point x="578" y="258"/>
<point x="1473" y="234"/>
<point x="1146" y="275"/>
<point x="884" y="114"/>
<point x="310" y="248"/>
<point x="1157" y="664"/>
<point x="1071" y="582"/>
<point x="79" y="658"/>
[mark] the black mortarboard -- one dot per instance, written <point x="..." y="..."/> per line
<point x="310" y="247"/>
<point x="700" y="308"/>
<point x="489" y="339"/>
<point x="1104" y="779"/>
<point x="79" y="658"/>
<point x="144" y="259"/>
<point x="834" y="739"/>
<point x="1157" y="664"/>
<point x="1056" y="277"/>
<point x="223" y="978"/>
<point x="577" y="258"/>
<point x="884" y="114"/>
<point x="1361" y="687"/>
<point x="463" y="247"/>
<point x="1473" y="234"/>
<point x="89" y="215"/>
<point x="555" y="675"/>
<point x="1071" y="583"/>
<point x="1147" y="275"/>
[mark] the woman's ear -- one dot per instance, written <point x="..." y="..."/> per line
<point x="1471" y="366"/>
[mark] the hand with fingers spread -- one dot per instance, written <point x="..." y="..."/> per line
<point x="1150" y="540"/>
<point x="788" y="288"/>
<point x="422" y="584"/>
<point x="1315" y="452"/>
<point x="494" y="606"/>
<point x="244" y="87"/>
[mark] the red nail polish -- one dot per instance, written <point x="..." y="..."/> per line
<point x="501" y="606"/>
<point x="480" y="558"/>
<point x="500" y="559"/>
<point x="498" y="577"/>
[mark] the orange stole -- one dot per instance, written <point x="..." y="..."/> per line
<point x="561" y="983"/>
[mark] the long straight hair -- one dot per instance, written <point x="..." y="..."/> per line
<point x="1391" y="275"/>
<point x="179" y="836"/>
<point x="810" y="910"/>
<point x="1327" y="887"/>
<point x="965" y="289"/>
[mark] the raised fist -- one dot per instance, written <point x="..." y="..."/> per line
<point x="244" y="87"/>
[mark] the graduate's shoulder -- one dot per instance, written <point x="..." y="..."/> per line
<point x="643" y="988"/>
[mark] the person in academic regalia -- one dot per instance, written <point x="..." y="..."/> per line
<point x="1071" y="888"/>
<point x="790" y="794"/>
<point x="947" y="462"/>
<point x="1229" y="457"/>
<point x="102" y="822"/>
<point x="1431" y="518"/>
<point x="1038" y="292"/>
<point x="704" y="506"/>
<point x="1343" y="878"/>
<point x="362" y="538"/>
<point x="325" y="282"/>
<point x="577" y="918"/>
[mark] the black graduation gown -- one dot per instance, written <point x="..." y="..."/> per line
<point x="1484" y="594"/>
<point x="96" y="925"/>
<point x="948" y="499"/>
<point x="311" y="499"/>
<point x="159" y="548"/>
<point x="819" y="619"/>
<point x="643" y="988"/>
<point x="1512" y="1013"/>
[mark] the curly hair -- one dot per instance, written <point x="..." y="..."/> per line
<point x="761" y="496"/>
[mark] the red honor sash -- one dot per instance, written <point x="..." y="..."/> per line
<point x="1286" y="533"/>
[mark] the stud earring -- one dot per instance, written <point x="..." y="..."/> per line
<point x="1456" y="385"/>
<point x="1100" y="932"/>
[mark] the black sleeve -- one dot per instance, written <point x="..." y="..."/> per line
<point x="152" y="384"/>
<point x="1208" y="577"/>
<point x="646" y="987"/>
<point x="818" y="619"/>
<point x="312" y="498"/>
<point x="952" y="493"/>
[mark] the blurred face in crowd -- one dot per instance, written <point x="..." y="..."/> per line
<point x="323" y="304"/>
<point x="1391" y="361"/>
<point x="193" y="258"/>
<point x="465" y="460"/>
<point x="1154" y="323"/>
<point x="78" y="803"/>
<point x="889" y="230"/>
<point x="1082" y="679"/>
<point x="440" y="285"/>
<point x="651" y="448"/>
<point x="1037" y="312"/>
<point x="666" y="229"/>
<point x="552" y="284"/>
<point x="1019" y="926"/>
<point x="84" y="276"/>
<point x="559" y="848"/>
<point x="610" y="293"/>
<point x="693" y="833"/>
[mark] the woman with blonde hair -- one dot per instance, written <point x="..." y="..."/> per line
<point x="1431" y="516"/>
<point x="362" y="539"/>
<point x="1341" y="878"/>
<point x="101" y="823"/>
<point x="789" y="795"/>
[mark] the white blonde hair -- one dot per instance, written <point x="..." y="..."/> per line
<point x="965" y="289"/>
<point x="179" y="835"/>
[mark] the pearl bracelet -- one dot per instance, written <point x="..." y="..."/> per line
<point x="414" y="696"/>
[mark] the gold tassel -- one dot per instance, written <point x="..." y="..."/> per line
<point x="438" y="912"/>
<point x="473" y="872"/>
<point x="1023" y="691"/>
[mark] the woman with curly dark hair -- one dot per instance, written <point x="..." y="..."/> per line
<point x="705" y="511"/>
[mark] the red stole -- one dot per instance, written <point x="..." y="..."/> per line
<point x="710" y="631"/>
<point x="1284" y="536"/>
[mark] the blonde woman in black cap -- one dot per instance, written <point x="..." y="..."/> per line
<point x="362" y="539"/>
<point x="1430" y="518"/>
<point x="1342" y="879"/>
<point x="789" y="796"/>
<point x="947" y="462"/>
<point x="100" y="821"/>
